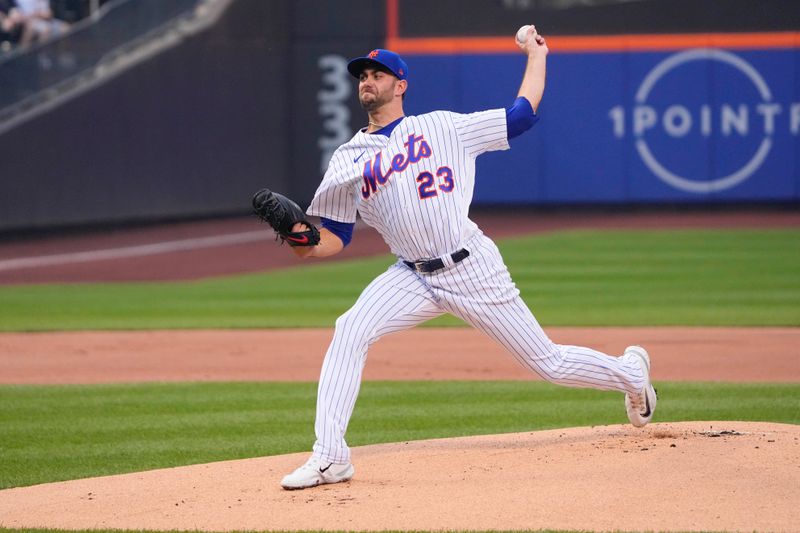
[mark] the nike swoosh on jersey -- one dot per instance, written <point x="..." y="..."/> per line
<point x="359" y="157"/>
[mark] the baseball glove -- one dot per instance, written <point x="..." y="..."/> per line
<point x="282" y="214"/>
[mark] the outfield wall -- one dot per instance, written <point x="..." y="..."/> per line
<point x="687" y="101"/>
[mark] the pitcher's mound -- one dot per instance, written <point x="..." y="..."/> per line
<point x="683" y="476"/>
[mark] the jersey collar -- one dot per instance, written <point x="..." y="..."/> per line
<point x="386" y="130"/>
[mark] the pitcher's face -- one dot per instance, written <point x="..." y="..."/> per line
<point x="376" y="88"/>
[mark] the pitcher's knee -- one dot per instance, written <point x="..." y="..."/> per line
<point x="353" y="332"/>
<point x="550" y="364"/>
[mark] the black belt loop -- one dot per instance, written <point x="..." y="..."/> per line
<point x="432" y="265"/>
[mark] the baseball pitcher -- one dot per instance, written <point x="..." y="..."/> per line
<point x="412" y="179"/>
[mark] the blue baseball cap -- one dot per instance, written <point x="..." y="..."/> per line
<point x="380" y="58"/>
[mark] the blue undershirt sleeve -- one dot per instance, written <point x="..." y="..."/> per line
<point x="520" y="117"/>
<point x="343" y="230"/>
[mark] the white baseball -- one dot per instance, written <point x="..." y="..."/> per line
<point x="522" y="34"/>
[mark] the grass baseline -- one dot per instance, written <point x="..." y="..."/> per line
<point x="570" y="278"/>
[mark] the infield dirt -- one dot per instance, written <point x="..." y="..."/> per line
<point x="696" y="354"/>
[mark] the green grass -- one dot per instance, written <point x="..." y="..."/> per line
<point x="723" y="277"/>
<point x="691" y="277"/>
<point x="52" y="433"/>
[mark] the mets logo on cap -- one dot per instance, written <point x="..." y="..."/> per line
<point x="389" y="60"/>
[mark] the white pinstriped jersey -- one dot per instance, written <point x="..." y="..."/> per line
<point x="416" y="185"/>
<point x="415" y="188"/>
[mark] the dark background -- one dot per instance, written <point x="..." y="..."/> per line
<point x="419" y="18"/>
<point x="193" y="131"/>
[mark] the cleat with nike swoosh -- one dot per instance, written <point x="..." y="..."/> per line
<point x="317" y="472"/>
<point x="640" y="407"/>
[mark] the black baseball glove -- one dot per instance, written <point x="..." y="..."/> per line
<point x="282" y="214"/>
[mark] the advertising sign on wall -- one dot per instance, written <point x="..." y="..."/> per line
<point x="641" y="118"/>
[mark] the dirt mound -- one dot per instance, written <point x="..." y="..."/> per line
<point x="731" y="476"/>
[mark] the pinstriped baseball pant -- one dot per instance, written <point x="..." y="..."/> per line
<point x="479" y="290"/>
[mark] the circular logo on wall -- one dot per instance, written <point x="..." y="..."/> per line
<point x="677" y="119"/>
<point x="703" y="120"/>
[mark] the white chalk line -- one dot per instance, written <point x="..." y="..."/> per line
<point x="133" y="251"/>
